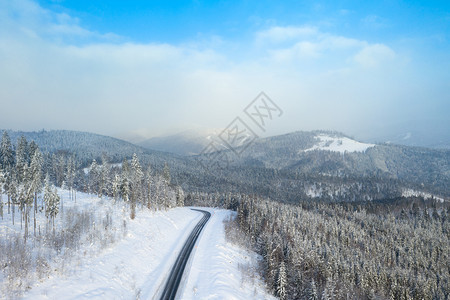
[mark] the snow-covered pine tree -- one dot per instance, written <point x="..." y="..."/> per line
<point x="2" y="181"/>
<point x="136" y="183"/>
<point x="70" y="175"/>
<point x="136" y="170"/>
<point x="32" y="146"/>
<point x="148" y="189"/>
<point x="125" y="188"/>
<point x="7" y="163"/>
<point x="125" y="184"/>
<point x="166" y="173"/>
<point x="282" y="282"/>
<point x="312" y="291"/>
<point x="12" y="193"/>
<point x="35" y="170"/>
<point x="117" y="181"/>
<point x="104" y="176"/>
<point x="59" y="168"/>
<point x="6" y="153"/>
<point x="94" y="177"/>
<point x="21" y="158"/>
<point x="329" y="290"/>
<point x="180" y="197"/>
<point x="51" y="199"/>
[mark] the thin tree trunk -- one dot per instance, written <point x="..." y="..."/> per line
<point x="26" y="223"/>
<point x="34" y="216"/>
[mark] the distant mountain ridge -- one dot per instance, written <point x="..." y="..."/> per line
<point x="190" y="142"/>
<point x="87" y="146"/>
<point x="300" y="165"/>
<point x="330" y="154"/>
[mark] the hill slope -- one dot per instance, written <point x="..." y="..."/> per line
<point x="184" y="143"/>
<point x="87" y="146"/>
<point x="332" y="156"/>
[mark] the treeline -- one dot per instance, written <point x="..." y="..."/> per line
<point x="396" y="249"/>
<point x="26" y="174"/>
<point x="134" y="184"/>
<point x="292" y="186"/>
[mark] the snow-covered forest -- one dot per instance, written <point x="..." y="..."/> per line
<point x="395" y="249"/>
<point x="344" y="236"/>
<point x="44" y="221"/>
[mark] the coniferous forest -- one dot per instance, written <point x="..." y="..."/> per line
<point x="392" y="249"/>
<point x="321" y="234"/>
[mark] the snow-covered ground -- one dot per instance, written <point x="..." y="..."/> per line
<point x="425" y="195"/>
<point x="135" y="267"/>
<point x="214" y="269"/>
<point x="339" y="144"/>
<point x="136" y="264"/>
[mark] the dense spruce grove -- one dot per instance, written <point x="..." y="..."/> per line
<point x="393" y="249"/>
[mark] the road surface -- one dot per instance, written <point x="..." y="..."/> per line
<point x="171" y="287"/>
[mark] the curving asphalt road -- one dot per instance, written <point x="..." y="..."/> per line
<point x="171" y="287"/>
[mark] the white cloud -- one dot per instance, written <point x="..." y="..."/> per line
<point x="374" y="55"/>
<point x="300" y="50"/>
<point x="278" y="34"/>
<point x="28" y="17"/>
<point x="297" y="44"/>
<point x="374" y="22"/>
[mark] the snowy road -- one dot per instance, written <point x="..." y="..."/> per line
<point x="171" y="287"/>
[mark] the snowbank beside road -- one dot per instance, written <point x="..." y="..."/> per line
<point x="214" y="270"/>
<point x="135" y="267"/>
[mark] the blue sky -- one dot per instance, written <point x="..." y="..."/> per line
<point x="183" y="21"/>
<point x="370" y="69"/>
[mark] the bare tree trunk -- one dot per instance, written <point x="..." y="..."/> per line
<point x="35" y="211"/>
<point x="26" y="223"/>
<point x="21" y="217"/>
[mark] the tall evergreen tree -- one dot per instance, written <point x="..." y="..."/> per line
<point x="116" y="186"/>
<point x="21" y="158"/>
<point x="6" y="153"/>
<point x="2" y="182"/>
<point x="94" y="177"/>
<point x="51" y="199"/>
<point x="282" y="282"/>
<point x="70" y="175"/>
<point x="7" y="163"/>
<point x="136" y="183"/>
<point x="35" y="171"/>
<point x="180" y="197"/>
<point x="150" y="182"/>
<point x="166" y="173"/>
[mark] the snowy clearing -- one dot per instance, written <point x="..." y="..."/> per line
<point x="339" y="144"/>
<point x="425" y="195"/>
